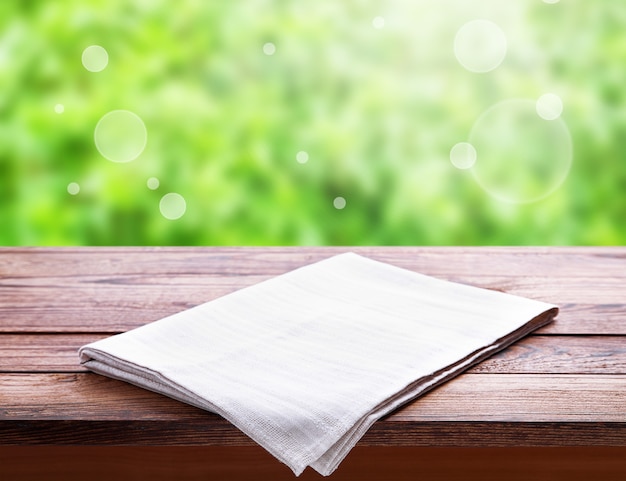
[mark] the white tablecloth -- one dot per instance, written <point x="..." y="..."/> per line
<point x="306" y="362"/>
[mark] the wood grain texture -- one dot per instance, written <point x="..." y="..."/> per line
<point x="116" y="289"/>
<point x="405" y="434"/>
<point x="43" y="352"/>
<point x="469" y="397"/>
<point x="559" y="355"/>
<point x="534" y="354"/>
<point x="523" y="398"/>
<point x="601" y="262"/>
<point x="564" y="386"/>
<point x="68" y="463"/>
<point x="580" y="319"/>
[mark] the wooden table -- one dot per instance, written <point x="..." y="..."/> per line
<point x="553" y="406"/>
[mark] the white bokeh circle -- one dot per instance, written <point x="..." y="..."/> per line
<point x="549" y="106"/>
<point x="463" y="155"/>
<point x="480" y="46"/>
<point x="172" y="206"/>
<point x="153" y="183"/>
<point x="521" y="157"/>
<point x="302" y="157"/>
<point x="95" y="58"/>
<point x="73" y="188"/>
<point x="378" y="23"/>
<point x="120" y="136"/>
<point x="339" y="203"/>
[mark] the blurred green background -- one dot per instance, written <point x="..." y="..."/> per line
<point x="274" y="122"/>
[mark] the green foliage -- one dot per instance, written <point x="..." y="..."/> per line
<point x="377" y="110"/>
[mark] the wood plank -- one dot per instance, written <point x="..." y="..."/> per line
<point x="43" y="352"/>
<point x="116" y="289"/>
<point x="600" y="262"/>
<point x="86" y="397"/>
<point x="99" y="304"/>
<point x="534" y="354"/>
<point x="468" y="397"/>
<point x="221" y="433"/>
<point x="96" y="287"/>
<point x="523" y="398"/>
<point x="559" y="355"/>
<point x="67" y="463"/>
<point x="599" y="318"/>
<point x="119" y="315"/>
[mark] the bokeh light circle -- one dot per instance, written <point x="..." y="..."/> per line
<point x="480" y="46"/>
<point x="120" y="136"/>
<point x="153" y="183"/>
<point x="378" y="23"/>
<point x="269" y="48"/>
<point x="95" y="58"/>
<point x="302" y="157"/>
<point x="339" y="203"/>
<point x="172" y="206"/>
<point x="521" y="157"/>
<point x="59" y="108"/>
<point x="463" y="155"/>
<point x="549" y="106"/>
<point x="73" y="188"/>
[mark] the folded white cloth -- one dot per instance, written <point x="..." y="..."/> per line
<point x="306" y="362"/>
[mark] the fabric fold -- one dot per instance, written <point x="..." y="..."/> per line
<point x="304" y="363"/>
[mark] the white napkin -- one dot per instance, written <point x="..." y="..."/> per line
<point x="306" y="362"/>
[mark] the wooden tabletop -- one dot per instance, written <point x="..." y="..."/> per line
<point x="564" y="385"/>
